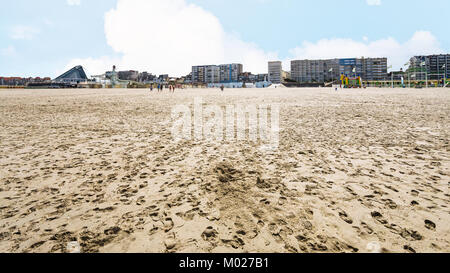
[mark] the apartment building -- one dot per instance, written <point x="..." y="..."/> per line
<point x="223" y="73"/>
<point x="315" y="70"/>
<point x="374" y="69"/>
<point x="129" y="75"/>
<point x="146" y="77"/>
<point x="248" y="77"/>
<point x="435" y="66"/>
<point x="275" y="72"/>
<point x="308" y="71"/>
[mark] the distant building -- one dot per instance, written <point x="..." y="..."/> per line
<point x="12" y="81"/>
<point x="230" y="72"/>
<point x="247" y="77"/>
<point x="262" y="77"/>
<point x="212" y="74"/>
<point x="436" y="66"/>
<point x="129" y="75"/>
<point x="224" y="73"/>
<point x="198" y="74"/>
<point x="188" y="78"/>
<point x="275" y="72"/>
<point x="18" y="81"/>
<point x="396" y="75"/>
<point x="163" y="78"/>
<point x="73" y="76"/>
<point x="309" y="71"/>
<point x="285" y="75"/>
<point x="146" y="77"/>
<point x="374" y="69"/>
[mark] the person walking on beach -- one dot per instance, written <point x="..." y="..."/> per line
<point x="222" y="87"/>
<point x="151" y="87"/>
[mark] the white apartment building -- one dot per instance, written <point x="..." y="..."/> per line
<point x="275" y="72"/>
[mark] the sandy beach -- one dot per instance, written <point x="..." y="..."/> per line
<point x="355" y="171"/>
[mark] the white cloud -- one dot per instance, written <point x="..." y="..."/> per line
<point x="92" y="66"/>
<point x="21" y="32"/>
<point x="422" y="42"/>
<point x="373" y="2"/>
<point x="169" y="36"/>
<point x="73" y="2"/>
<point x="10" y="51"/>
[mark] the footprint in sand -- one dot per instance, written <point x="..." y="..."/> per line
<point x="168" y="224"/>
<point x="345" y="217"/>
<point x="366" y="228"/>
<point x="261" y="224"/>
<point x="235" y="242"/>
<point x="210" y="234"/>
<point x="389" y="203"/>
<point x="140" y="201"/>
<point x="430" y="225"/>
<point x="377" y="216"/>
<point x="282" y="201"/>
<point x="274" y="229"/>
<point x="409" y="249"/>
<point x="170" y="244"/>
<point x="411" y="235"/>
<point x="307" y="225"/>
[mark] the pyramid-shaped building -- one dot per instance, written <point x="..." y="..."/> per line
<point x="74" y="75"/>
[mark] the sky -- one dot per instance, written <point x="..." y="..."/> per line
<point x="47" y="37"/>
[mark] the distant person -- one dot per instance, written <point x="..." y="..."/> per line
<point x="151" y="87"/>
<point x="222" y="87"/>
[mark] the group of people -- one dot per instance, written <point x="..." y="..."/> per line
<point x="161" y="88"/>
<point x="173" y="87"/>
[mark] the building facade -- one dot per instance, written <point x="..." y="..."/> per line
<point x="435" y="66"/>
<point x="18" y="81"/>
<point x="146" y="77"/>
<point x="316" y="70"/>
<point x="129" y="75"/>
<point x="73" y="76"/>
<point x="308" y="71"/>
<point x="230" y="72"/>
<point x="248" y="77"/>
<point x="223" y="73"/>
<point x="285" y="75"/>
<point x="275" y="72"/>
<point x="198" y="74"/>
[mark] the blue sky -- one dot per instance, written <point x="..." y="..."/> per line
<point x="329" y="19"/>
<point x="42" y="38"/>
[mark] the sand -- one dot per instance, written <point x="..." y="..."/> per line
<point x="356" y="171"/>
